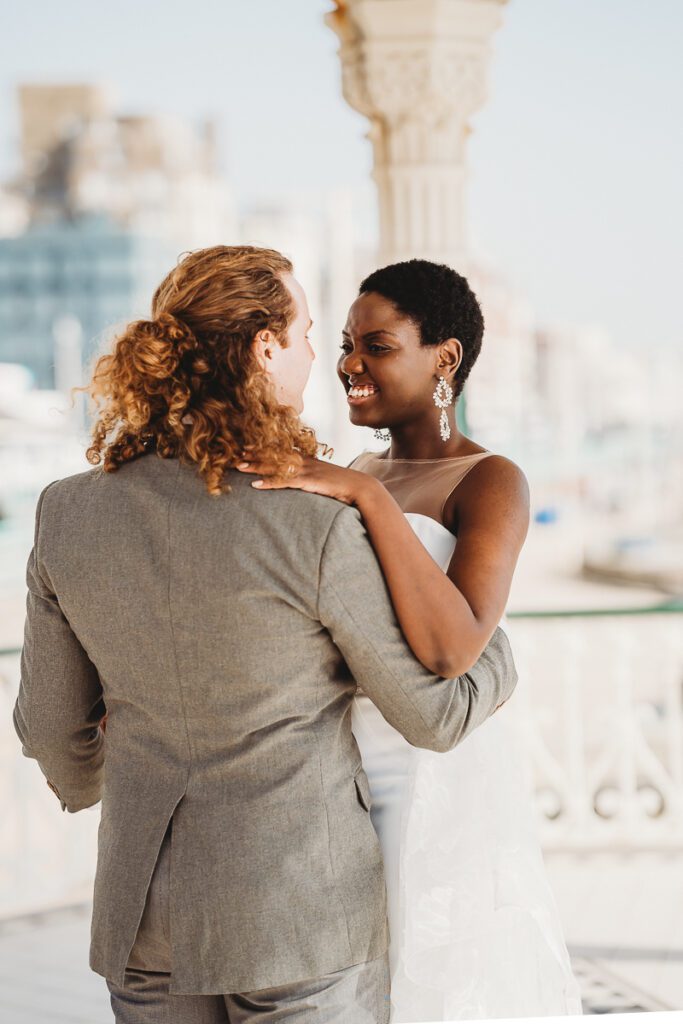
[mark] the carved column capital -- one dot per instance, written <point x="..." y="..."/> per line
<point x="417" y="70"/>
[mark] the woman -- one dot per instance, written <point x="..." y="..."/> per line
<point x="474" y="926"/>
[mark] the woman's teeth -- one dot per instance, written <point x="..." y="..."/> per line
<point x="362" y="392"/>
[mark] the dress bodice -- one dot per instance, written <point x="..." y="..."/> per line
<point x="419" y="486"/>
<point x="439" y="541"/>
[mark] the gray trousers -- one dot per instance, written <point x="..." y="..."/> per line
<point x="355" y="995"/>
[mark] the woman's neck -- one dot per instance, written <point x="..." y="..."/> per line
<point x="421" y="439"/>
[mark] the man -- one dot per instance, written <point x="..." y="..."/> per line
<point x="224" y="635"/>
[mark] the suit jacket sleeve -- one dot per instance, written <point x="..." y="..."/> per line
<point x="60" y="703"/>
<point x="355" y="606"/>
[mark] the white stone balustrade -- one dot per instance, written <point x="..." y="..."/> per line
<point x="599" y="709"/>
<point x="47" y="856"/>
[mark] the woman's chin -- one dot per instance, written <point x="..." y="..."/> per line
<point x="358" y="419"/>
<point x="362" y="417"/>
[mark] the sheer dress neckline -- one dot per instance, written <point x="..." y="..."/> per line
<point x="420" y="485"/>
<point x="445" y="458"/>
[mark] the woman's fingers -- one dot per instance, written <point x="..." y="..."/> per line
<point x="259" y="467"/>
<point x="254" y="467"/>
<point x="277" y="485"/>
<point x="293" y="479"/>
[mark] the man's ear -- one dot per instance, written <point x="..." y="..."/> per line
<point x="263" y="347"/>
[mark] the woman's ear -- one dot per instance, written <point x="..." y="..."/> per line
<point x="450" y="358"/>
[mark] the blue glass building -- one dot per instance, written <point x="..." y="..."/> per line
<point x="88" y="268"/>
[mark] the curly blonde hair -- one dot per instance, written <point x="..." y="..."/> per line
<point x="187" y="383"/>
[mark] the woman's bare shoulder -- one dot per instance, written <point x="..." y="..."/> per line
<point x="493" y="489"/>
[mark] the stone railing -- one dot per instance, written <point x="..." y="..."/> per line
<point x="599" y="711"/>
<point x="47" y="856"/>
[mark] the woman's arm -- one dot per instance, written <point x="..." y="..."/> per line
<point x="447" y="619"/>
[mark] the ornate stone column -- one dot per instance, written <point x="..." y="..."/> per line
<point x="417" y="70"/>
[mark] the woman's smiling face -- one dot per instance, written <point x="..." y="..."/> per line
<point x="381" y="348"/>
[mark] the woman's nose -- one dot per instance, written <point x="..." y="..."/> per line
<point x="351" y="363"/>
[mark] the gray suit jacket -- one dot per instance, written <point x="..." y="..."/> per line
<point x="224" y="635"/>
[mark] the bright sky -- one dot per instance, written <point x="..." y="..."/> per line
<point x="575" y="162"/>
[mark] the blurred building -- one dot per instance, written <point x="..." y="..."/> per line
<point x="501" y="406"/>
<point x="89" y="269"/>
<point x="38" y="442"/>
<point x="152" y="175"/>
<point x="101" y="209"/>
<point x="14" y="211"/>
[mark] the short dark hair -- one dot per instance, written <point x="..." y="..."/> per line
<point x="439" y="301"/>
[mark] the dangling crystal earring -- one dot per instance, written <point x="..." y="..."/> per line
<point x="443" y="397"/>
<point x="382" y="435"/>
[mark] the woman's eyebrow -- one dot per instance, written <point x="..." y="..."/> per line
<point x="369" y="334"/>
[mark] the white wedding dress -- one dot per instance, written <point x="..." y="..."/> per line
<point x="474" y="926"/>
